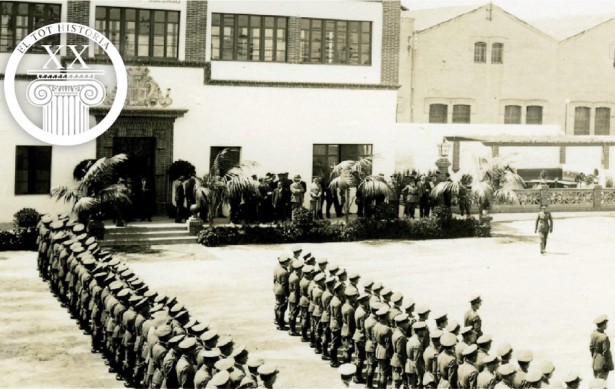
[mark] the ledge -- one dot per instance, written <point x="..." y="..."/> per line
<point x="141" y="112"/>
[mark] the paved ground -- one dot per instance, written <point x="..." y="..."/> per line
<point x="542" y="303"/>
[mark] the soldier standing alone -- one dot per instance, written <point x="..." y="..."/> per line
<point x="544" y="225"/>
<point x="600" y="348"/>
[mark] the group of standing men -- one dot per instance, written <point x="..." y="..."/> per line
<point x="149" y="340"/>
<point x="382" y="338"/>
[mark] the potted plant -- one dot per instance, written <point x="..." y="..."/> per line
<point x="349" y="174"/>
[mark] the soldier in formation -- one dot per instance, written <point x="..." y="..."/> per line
<point x="148" y="340"/>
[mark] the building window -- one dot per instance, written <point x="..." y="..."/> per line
<point x="438" y="113"/>
<point x="32" y="170"/>
<point x="603" y="121"/>
<point x="497" y="53"/>
<point x="140" y="32"/>
<point x="326" y="156"/>
<point x="248" y="38"/>
<point x="480" y="52"/>
<point x="226" y="163"/>
<point x="581" y="120"/>
<point x="533" y="114"/>
<point x="18" y="19"/>
<point x="512" y="114"/>
<point x="461" y="113"/>
<point x="336" y="42"/>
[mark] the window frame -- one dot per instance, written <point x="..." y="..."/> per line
<point x="529" y="119"/>
<point x="480" y="52"/>
<point x="31" y="24"/>
<point x="432" y="115"/>
<point x="457" y="115"/>
<point x="306" y="40"/>
<point x="606" y="129"/>
<point x="579" y="127"/>
<point x="121" y="45"/>
<point x="338" y="155"/>
<point x="499" y="52"/>
<point x="31" y="170"/>
<point x="510" y="119"/>
<point x="262" y="37"/>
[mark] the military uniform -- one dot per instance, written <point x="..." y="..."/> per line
<point x="359" y="340"/>
<point x="325" y="318"/>
<point x="399" y="340"/>
<point x="280" y="290"/>
<point x="415" y="365"/>
<point x="382" y="334"/>
<point x="486" y="380"/>
<point x="467" y="375"/>
<point x="600" y="348"/>
<point x="348" y="326"/>
<point x="370" y="348"/>
<point x="335" y="327"/>
<point x="293" y="301"/>
<point x="472" y="319"/>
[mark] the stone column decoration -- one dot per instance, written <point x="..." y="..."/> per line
<point x="66" y="99"/>
<point x="195" y="223"/>
<point x="597" y="197"/>
<point x="443" y="164"/>
<point x="544" y="194"/>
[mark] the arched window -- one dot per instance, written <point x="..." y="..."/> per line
<point x="533" y="114"/>
<point x="512" y="114"/>
<point x="603" y="121"/>
<point x="438" y="113"/>
<point x="581" y="120"/>
<point x="497" y="53"/>
<point x="480" y="52"/>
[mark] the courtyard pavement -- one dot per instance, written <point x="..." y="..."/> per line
<point x="542" y="303"/>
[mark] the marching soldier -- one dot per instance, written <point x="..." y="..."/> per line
<point x="505" y="352"/>
<point x="600" y="349"/>
<point x="382" y="338"/>
<point x="336" y="323"/>
<point x="316" y="294"/>
<point x="467" y="374"/>
<point x="294" y="295"/>
<point x="280" y="289"/>
<point x="486" y="378"/>
<point x="169" y="362"/>
<point x="349" y="324"/>
<point x="304" y="302"/>
<point x="206" y="371"/>
<point x="359" y="337"/>
<point x="472" y="319"/>
<point x="370" y="345"/>
<point x="399" y="340"/>
<point x="415" y="365"/>
<point x="447" y="362"/>
<point x="325" y="319"/>
<point x="441" y="321"/>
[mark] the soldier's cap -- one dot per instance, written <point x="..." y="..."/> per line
<point x="57" y="224"/>
<point x="402" y="318"/>
<point x="214" y="353"/>
<point x="353" y="276"/>
<point x="342" y="272"/>
<point x="134" y="298"/>
<point x="484" y="339"/>
<point x="383" y="311"/>
<point x="396" y="298"/>
<point x="225" y="341"/>
<point x="338" y="286"/>
<point x="192" y="322"/>
<point x="386" y="292"/>
<point x="319" y="277"/>
<point x="307" y="269"/>
<point x="76" y="248"/>
<point x="164" y="332"/>
<point x="136" y="282"/>
<point x="367" y="284"/>
<point x="225" y="364"/>
<point x="156" y="308"/>
<point x="46" y="219"/>
<point x="88" y="262"/>
<point x="237" y="375"/>
<point x="448" y="340"/>
<point x="101" y="275"/>
<point x="525" y="356"/>
<point x="601" y="319"/>
<point x="247" y="382"/>
<point x="177" y="339"/>
<point x="298" y="264"/>
<point x="351" y="292"/>
<point x="436" y="334"/>
<point x="267" y="369"/>
<point x="347" y="369"/>
<point x="440" y="316"/>
<point x="572" y="377"/>
<point x="490" y="359"/>
<point x="310" y="261"/>
<point x="181" y="314"/>
<point x="377" y="286"/>
<point x="333" y="268"/>
<point x="419" y="325"/>
<point x="199" y="328"/>
<point x="82" y="237"/>
<point x="322" y="261"/>
<point x="92" y="246"/>
<point x="471" y="349"/>
<point x="113" y="262"/>
<point x="453" y="326"/>
<point x="330" y="281"/>
<point x="160" y="298"/>
<point x="63" y="216"/>
<point x="363" y="297"/>
<point x="176" y="308"/>
<point x="284" y="258"/>
<point x="547" y="367"/>
<point x="408" y="303"/>
<point x="124" y="294"/>
<point x="254" y="362"/>
<point x="220" y="379"/>
<point x="428" y="379"/>
<point x="296" y="248"/>
<point x="239" y="350"/>
<point x="141" y="303"/>
<point x="504" y="349"/>
<point x="475" y="299"/>
<point x="89" y="240"/>
<point x="150" y="294"/>
<point x="598" y="383"/>
<point x="188" y="343"/>
<point x="506" y="369"/>
<point x="533" y="376"/>
<point x="128" y="273"/>
<point x="116" y="285"/>
<point x="306" y="254"/>
<point x="422" y="309"/>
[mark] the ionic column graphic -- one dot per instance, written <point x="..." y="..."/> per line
<point x="66" y="99"/>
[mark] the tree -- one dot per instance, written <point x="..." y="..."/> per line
<point x="215" y="190"/>
<point x="96" y="193"/>
<point x="349" y="174"/>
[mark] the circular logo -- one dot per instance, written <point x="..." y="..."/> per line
<point x="65" y="90"/>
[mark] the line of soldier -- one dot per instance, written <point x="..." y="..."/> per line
<point x="376" y="337"/>
<point x="149" y="340"/>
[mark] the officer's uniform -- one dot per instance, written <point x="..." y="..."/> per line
<point x="280" y="290"/>
<point x="399" y="340"/>
<point x="447" y="362"/>
<point x="359" y="337"/>
<point x="600" y="349"/>
<point x="384" y="347"/>
<point x="348" y="325"/>
<point x="415" y="365"/>
<point x="335" y="325"/>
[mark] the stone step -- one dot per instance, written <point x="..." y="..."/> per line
<point x="147" y="242"/>
<point x="155" y="233"/>
<point x="145" y="228"/>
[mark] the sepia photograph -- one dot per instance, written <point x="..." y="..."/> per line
<point x="391" y="194"/>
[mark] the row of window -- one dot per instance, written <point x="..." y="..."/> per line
<point x="151" y="33"/>
<point x="582" y="120"/>
<point x="497" y="52"/>
<point x="438" y="113"/>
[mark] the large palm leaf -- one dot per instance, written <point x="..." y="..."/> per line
<point x="69" y="195"/>
<point x="375" y="186"/>
<point x="100" y="173"/>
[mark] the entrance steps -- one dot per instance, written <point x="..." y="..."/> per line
<point x="146" y="234"/>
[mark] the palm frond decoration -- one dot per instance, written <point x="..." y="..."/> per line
<point x="114" y="193"/>
<point x="375" y="186"/>
<point x="482" y="191"/>
<point x="100" y="172"/>
<point x="69" y="195"/>
<point x="340" y="183"/>
<point x="84" y="205"/>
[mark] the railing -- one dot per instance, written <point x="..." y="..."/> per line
<point x="529" y="200"/>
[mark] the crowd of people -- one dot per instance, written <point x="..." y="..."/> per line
<point x="148" y="339"/>
<point x="378" y="337"/>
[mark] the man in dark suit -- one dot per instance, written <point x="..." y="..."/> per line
<point x="145" y="197"/>
<point x="180" y="197"/>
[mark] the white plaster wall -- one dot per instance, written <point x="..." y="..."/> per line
<point x="585" y="159"/>
<point x="531" y="157"/>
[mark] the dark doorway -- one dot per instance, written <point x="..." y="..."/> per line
<point x="141" y="163"/>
